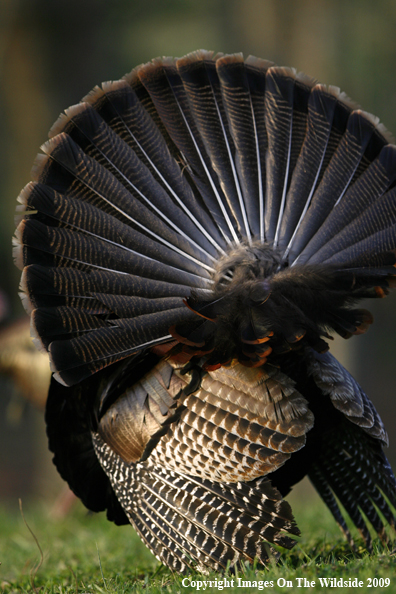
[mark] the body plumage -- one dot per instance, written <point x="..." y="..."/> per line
<point x="192" y="236"/>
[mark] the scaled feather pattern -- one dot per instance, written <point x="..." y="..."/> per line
<point x="192" y="235"/>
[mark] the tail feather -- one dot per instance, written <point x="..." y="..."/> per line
<point x="50" y="322"/>
<point x="372" y="185"/>
<point x="97" y="139"/>
<point x="381" y="213"/>
<point x="119" y="106"/>
<point x="134" y="81"/>
<point x="138" y="130"/>
<point x="166" y="90"/>
<point x="179" y="174"/>
<point x="337" y="177"/>
<point x="321" y="107"/>
<point x="303" y="88"/>
<point x="81" y="356"/>
<point x="134" y="306"/>
<point x="66" y="284"/>
<point x="338" y="120"/>
<point x="162" y="83"/>
<point x="256" y="71"/>
<point x="107" y="189"/>
<point x="279" y="124"/>
<point x="79" y="249"/>
<point x="343" y="109"/>
<point x="233" y="76"/>
<point x="224" y="183"/>
<point x="374" y="251"/>
<point x="202" y="86"/>
<point x="63" y="211"/>
<point x="380" y="138"/>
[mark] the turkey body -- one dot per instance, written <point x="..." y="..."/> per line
<point x="191" y="235"/>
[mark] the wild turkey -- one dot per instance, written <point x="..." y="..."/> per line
<point x="191" y="235"/>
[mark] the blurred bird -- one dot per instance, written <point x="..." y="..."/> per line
<point x="30" y="373"/>
<point x="191" y="235"/>
<point x="23" y="363"/>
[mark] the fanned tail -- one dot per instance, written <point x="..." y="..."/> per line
<point x="164" y="184"/>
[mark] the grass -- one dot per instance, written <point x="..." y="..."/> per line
<point x="87" y="554"/>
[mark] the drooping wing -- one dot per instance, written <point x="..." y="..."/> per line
<point x="197" y="461"/>
<point x="350" y="466"/>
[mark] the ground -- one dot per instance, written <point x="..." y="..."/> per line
<point x="87" y="554"/>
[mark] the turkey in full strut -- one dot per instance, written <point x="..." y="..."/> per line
<point x="191" y="235"/>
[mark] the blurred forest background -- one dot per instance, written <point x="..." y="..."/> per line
<point x="52" y="52"/>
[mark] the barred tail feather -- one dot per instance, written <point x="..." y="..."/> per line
<point x="366" y="191"/>
<point x="164" y="173"/>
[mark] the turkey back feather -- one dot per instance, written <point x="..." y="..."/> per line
<point x="224" y="214"/>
